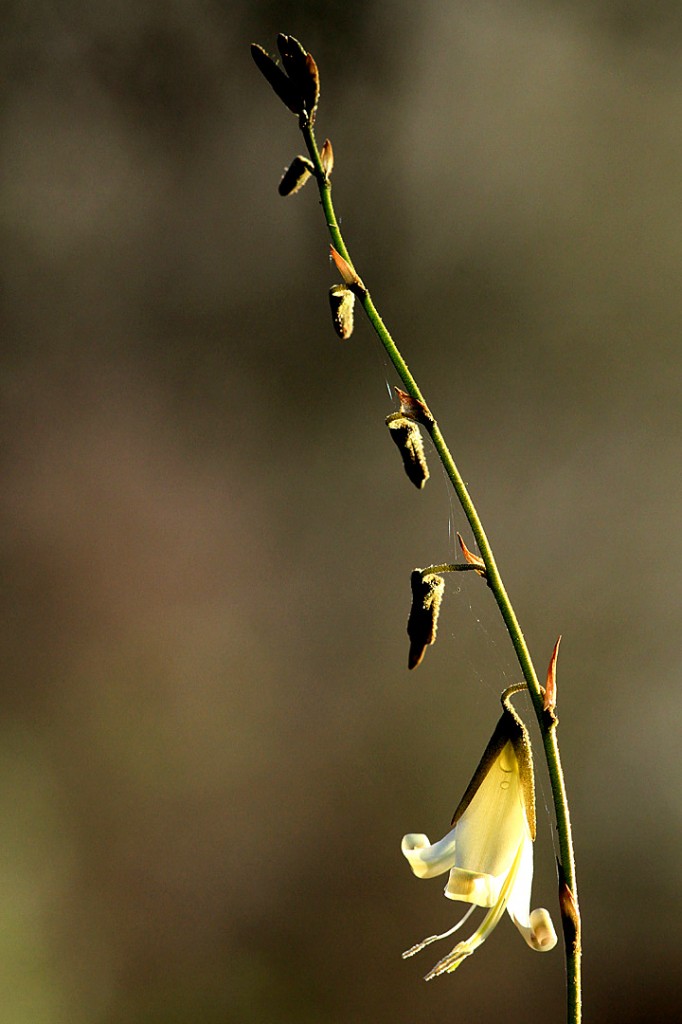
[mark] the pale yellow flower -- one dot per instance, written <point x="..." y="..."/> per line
<point x="489" y="850"/>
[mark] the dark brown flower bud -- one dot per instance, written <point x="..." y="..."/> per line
<point x="287" y="91"/>
<point x="302" y="70"/>
<point x="427" y="594"/>
<point x="408" y="438"/>
<point x="342" y="301"/>
<point x="296" y="175"/>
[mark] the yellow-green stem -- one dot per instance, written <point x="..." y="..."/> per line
<point x="547" y="723"/>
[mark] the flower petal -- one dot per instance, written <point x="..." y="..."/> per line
<point x="519" y="898"/>
<point x="428" y="860"/>
<point x="473" y="887"/>
<point x="464" y="949"/>
<point x="536" y="927"/>
<point x="494" y="823"/>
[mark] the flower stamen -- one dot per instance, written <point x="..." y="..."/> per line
<point x="444" y="935"/>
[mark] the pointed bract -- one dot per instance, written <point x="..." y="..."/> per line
<point x="570" y="915"/>
<point x="346" y="271"/>
<point x="414" y="408"/>
<point x="549" y="702"/>
<point x="470" y="557"/>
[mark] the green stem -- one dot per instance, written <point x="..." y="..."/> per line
<point x="547" y="722"/>
<point x="451" y="567"/>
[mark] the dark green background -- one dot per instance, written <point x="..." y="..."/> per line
<point x="210" y="746"/>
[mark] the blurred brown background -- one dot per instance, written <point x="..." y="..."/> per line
<point x="210" y="746"/>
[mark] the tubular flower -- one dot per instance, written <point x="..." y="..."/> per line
<point x="489" y="850"/>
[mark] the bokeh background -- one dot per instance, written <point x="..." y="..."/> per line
<point x="210" y="745"/>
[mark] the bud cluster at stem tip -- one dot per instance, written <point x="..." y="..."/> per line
<point x="297" y="82"/>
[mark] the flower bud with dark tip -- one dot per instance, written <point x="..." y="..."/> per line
<point x="427" y="594"/>
<point x="296" y="175"/>
<point x="408" y="438"/>
<point x="342" y="301"/>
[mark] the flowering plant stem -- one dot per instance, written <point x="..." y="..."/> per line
<point x="547" y="720"/>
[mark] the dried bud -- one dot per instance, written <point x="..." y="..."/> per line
<point x="408" y="438"/>
<point x="283" y="86"/>
<point x="327" y="157"/>
<point x="347" y="273"/>
<point x="427" y="594"/>
<point x="550" y="685"/>
<point x="342" y="301"/>
<point x="470" y="557"/>
<point x="296" y="175"/>
<point x="414" y="408"/>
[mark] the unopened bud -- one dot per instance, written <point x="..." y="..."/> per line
<point x="311" y="91"/>
<point x="301" y="69"/>
<point x="295" y="176"/>
<point x="427" y="594"/>
<point x="282" y="85"/>
<point x="408" y="438"/>
<point x="342" y="301"/>
<point x="327" y="157"/>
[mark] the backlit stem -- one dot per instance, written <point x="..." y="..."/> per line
<point x="547" y="723"/>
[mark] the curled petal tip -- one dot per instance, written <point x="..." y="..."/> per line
<point x="543" y="936"/>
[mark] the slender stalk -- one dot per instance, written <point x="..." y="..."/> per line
<point x="546" y="721"/>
